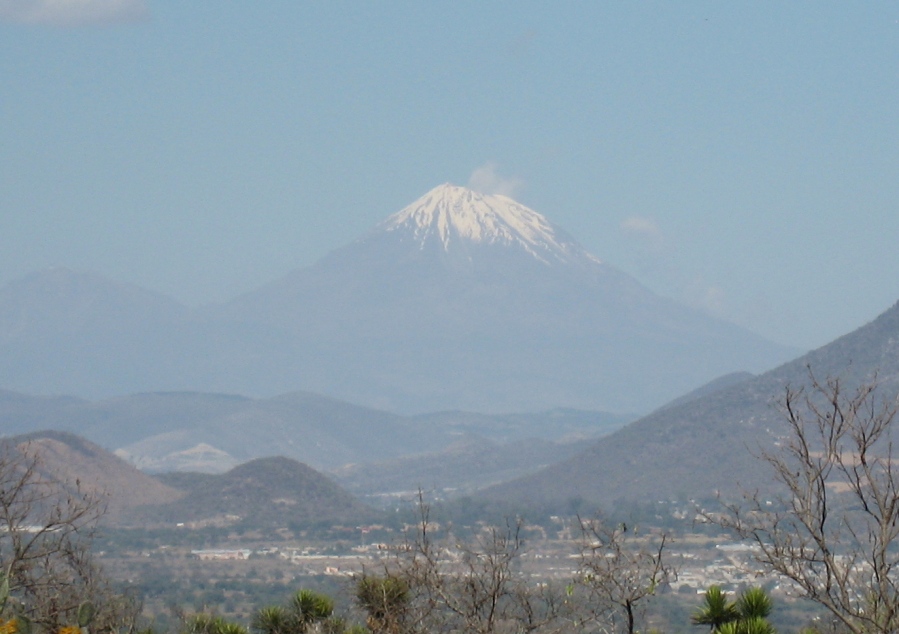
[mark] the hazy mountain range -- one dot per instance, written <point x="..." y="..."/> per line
<point x="191" y="431"/>
<point x="708" y="444"/>
<point x="703" y="443"/>
<point x="459" y="301"/>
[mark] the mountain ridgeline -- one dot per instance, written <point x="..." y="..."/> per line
<point x="711" y="444"/>
<point x="705" y="442"/>
<point x="211" y="433"/>
<point x="460" y="301"/>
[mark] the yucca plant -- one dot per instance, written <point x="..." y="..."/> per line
<point x="203" y="623"/>
<point x="753" y="625"/>
<point x="306" y="609"/>
<point x="748" y="615"/>
<point x="311" y="607"/>
<point x="272" y="619"/>
<point x="716" y="610"/>
<point x="754" y="603"/>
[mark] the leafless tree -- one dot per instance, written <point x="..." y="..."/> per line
<point x="620" y="571"/>
<point x="833" y="531"/>
<point x="46" y="528"/>
<point x="469" y="585"/>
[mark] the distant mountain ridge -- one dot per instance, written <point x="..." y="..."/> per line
<point x="459" y="470"/>
<point x="703" y="443"/>
<point x="709" y="444"/>
<point x="460" y="301"/>
<point x="213" y="433"/>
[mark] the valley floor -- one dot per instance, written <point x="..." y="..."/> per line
<point x="233" y="574"/>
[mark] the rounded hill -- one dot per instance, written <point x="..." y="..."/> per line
<point x="267" y="492"/>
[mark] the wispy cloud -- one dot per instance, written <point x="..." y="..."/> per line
<point x="73" y="13"/>
<point x="651" y="251"/>
<point x="708" y="297"/>
<point x="486" y="180"/>
<point x="646" y="230"/>
<point x="641" y="225"/>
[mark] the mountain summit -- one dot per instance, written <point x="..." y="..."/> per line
<point x="449" y="214"/>
<point x="463" y="300"/>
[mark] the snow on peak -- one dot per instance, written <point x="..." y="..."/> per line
<point x="449" y="213"/>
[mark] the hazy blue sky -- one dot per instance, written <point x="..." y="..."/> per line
<point x="743" y="157"/>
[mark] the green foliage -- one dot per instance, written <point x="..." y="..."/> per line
<point x="716" y="610"/>
<point x="311" y="607"/>
<point x="86" y="613"/>
<point x="335" y="625"/>
<point x="754" y="603"/>
<point x="306" y="610"/>
<point x="203" y="623"/>
<point x="272" y="619"/>
<point x="754" y="625"/>
<point x="4" y="591"/>
<point x="748" y="615"/>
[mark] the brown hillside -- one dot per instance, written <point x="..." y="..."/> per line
<point x="709" y="444"/>
<point x="68" y="459"/>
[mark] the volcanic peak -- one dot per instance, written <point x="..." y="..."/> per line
<point x="450" y="213"/>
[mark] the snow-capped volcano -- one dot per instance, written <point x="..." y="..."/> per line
<point x="464" y="300"/>
<point x="461" y="300"/>
<point x="449" y="214"/>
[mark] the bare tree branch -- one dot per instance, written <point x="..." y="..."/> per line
<point x="471" y="585"/>
<point x="833" y="532"/>
<point x="621" y="570"/>
<point x="46" y="528"/>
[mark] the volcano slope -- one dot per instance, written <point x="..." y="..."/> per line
<point x="475" y="302"/>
